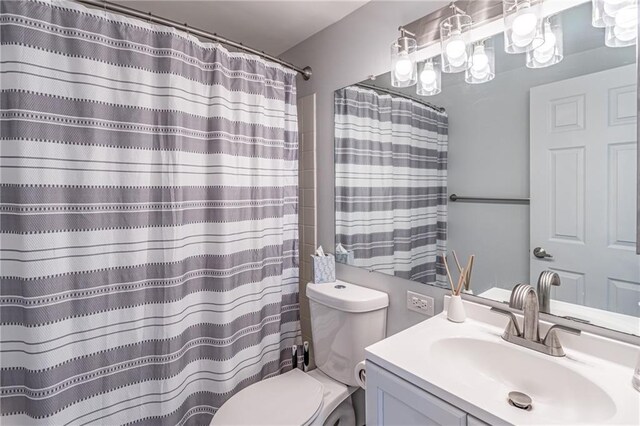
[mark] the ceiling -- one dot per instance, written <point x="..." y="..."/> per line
<point x="272" y="26"/>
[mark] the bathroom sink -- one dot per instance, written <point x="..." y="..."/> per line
<point x="469" y="366"/>
<point x="558" y="393"/>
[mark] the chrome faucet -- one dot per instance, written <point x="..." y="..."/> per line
<point x="529" y="337"/>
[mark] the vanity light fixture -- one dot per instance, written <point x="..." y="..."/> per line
<point x="603" y="12"/>
<point x="429" y="79"/>
<point x="522" y="25"/>
<point x="623" y="32"/>
<point x="619" y="18"/>
<point x="481" y="67"/>
<point x="404" y="71"/>
<point x="551" y="51"/>
<point x="454" y="39"/>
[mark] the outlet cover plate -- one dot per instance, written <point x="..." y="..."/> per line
<point x="420" y="303"/>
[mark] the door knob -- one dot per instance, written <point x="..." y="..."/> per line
<point x="541" y="253"/>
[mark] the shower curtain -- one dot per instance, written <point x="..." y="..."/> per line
<point x="149" y="259"/>
<point x="391" y="183"/>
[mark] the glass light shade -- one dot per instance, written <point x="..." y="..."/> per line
<point x="404" y="72"/>
<point x="624" y="30"/>
<point x="603" y="12"/>
<point x="429" y="79"/>
<point x="482" y="63"/>
<point x="454" y="39"/>
<point x="522" y="25"/>
<point x="551" y="51"/>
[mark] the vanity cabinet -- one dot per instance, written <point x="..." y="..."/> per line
<point x="393" y="401"/>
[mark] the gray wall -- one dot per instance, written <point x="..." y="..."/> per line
<point x="342" y="54"/>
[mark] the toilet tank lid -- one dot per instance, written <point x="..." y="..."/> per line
<point x="347" y="297"/>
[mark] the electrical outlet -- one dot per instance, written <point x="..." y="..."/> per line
<point x="420" y="303"/>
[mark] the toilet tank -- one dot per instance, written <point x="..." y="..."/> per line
<point x="345" y="319"/>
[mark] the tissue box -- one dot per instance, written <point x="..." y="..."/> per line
<point x="345" y="258"/>
<point x="324" y="269"/>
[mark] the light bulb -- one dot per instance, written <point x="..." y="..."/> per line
<point x="626" y="24"/>
<point x="456" y="50"/>
<point x="480" y="73"/>
<point x="624" y="34"/>
<point x="429" y="84"/>
<point x="627" y="17"/>
<point x="525" y="23"/>
<point x="480" y="63"/>
<point x="480" y="59"/>
<point x="456" y="47"/>
<point x="545" y="52"/>
<point x="428" y="75"/>
<point x="523" y="27"/>
<point x="404" y="68"/>
<point x="458" y="62"/>
<point x="611" y="7"/>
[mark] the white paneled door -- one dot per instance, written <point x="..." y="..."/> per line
<point x="583" y="188"/>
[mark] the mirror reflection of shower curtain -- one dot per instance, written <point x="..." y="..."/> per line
<point x="391" y="183"/>
<point x="149" y="219"/>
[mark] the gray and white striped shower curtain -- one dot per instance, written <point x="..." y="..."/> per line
<point x="391" y="183"/>
<point x="148" y="259"/>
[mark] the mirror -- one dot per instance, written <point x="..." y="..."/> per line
<point x="533" y="171"/>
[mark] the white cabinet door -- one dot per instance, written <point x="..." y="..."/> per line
<point x="472" y="421"/>
<point x="583" y="188"/>
<point x="392" y="401"/>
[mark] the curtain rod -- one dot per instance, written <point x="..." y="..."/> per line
<point x="400" y="94"/>
<point x="124" y="10"/>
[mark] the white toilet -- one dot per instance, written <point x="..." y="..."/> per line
<point x="345" y="318"/>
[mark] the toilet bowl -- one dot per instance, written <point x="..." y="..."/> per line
<point x="345" y="319"/>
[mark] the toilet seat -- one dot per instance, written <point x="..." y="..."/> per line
<point x="292" y="398"/>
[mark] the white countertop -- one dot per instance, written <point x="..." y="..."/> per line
<point x="605" y="362"/>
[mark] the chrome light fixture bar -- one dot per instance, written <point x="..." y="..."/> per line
<point x="403" y="65"/>
<point x="522" y="25"/>
<point x="454" y="40"/>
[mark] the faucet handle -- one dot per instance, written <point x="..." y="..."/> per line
<point x="512" y="328"/>
<point x="557" y="327"/>
<point x="551" y="339"/>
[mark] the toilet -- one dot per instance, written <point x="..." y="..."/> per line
<point x="345" y="318"/>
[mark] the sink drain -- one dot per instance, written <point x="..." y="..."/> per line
<point x="520" y="400"/>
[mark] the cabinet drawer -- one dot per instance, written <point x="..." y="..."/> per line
<point x="394" y="401"/>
